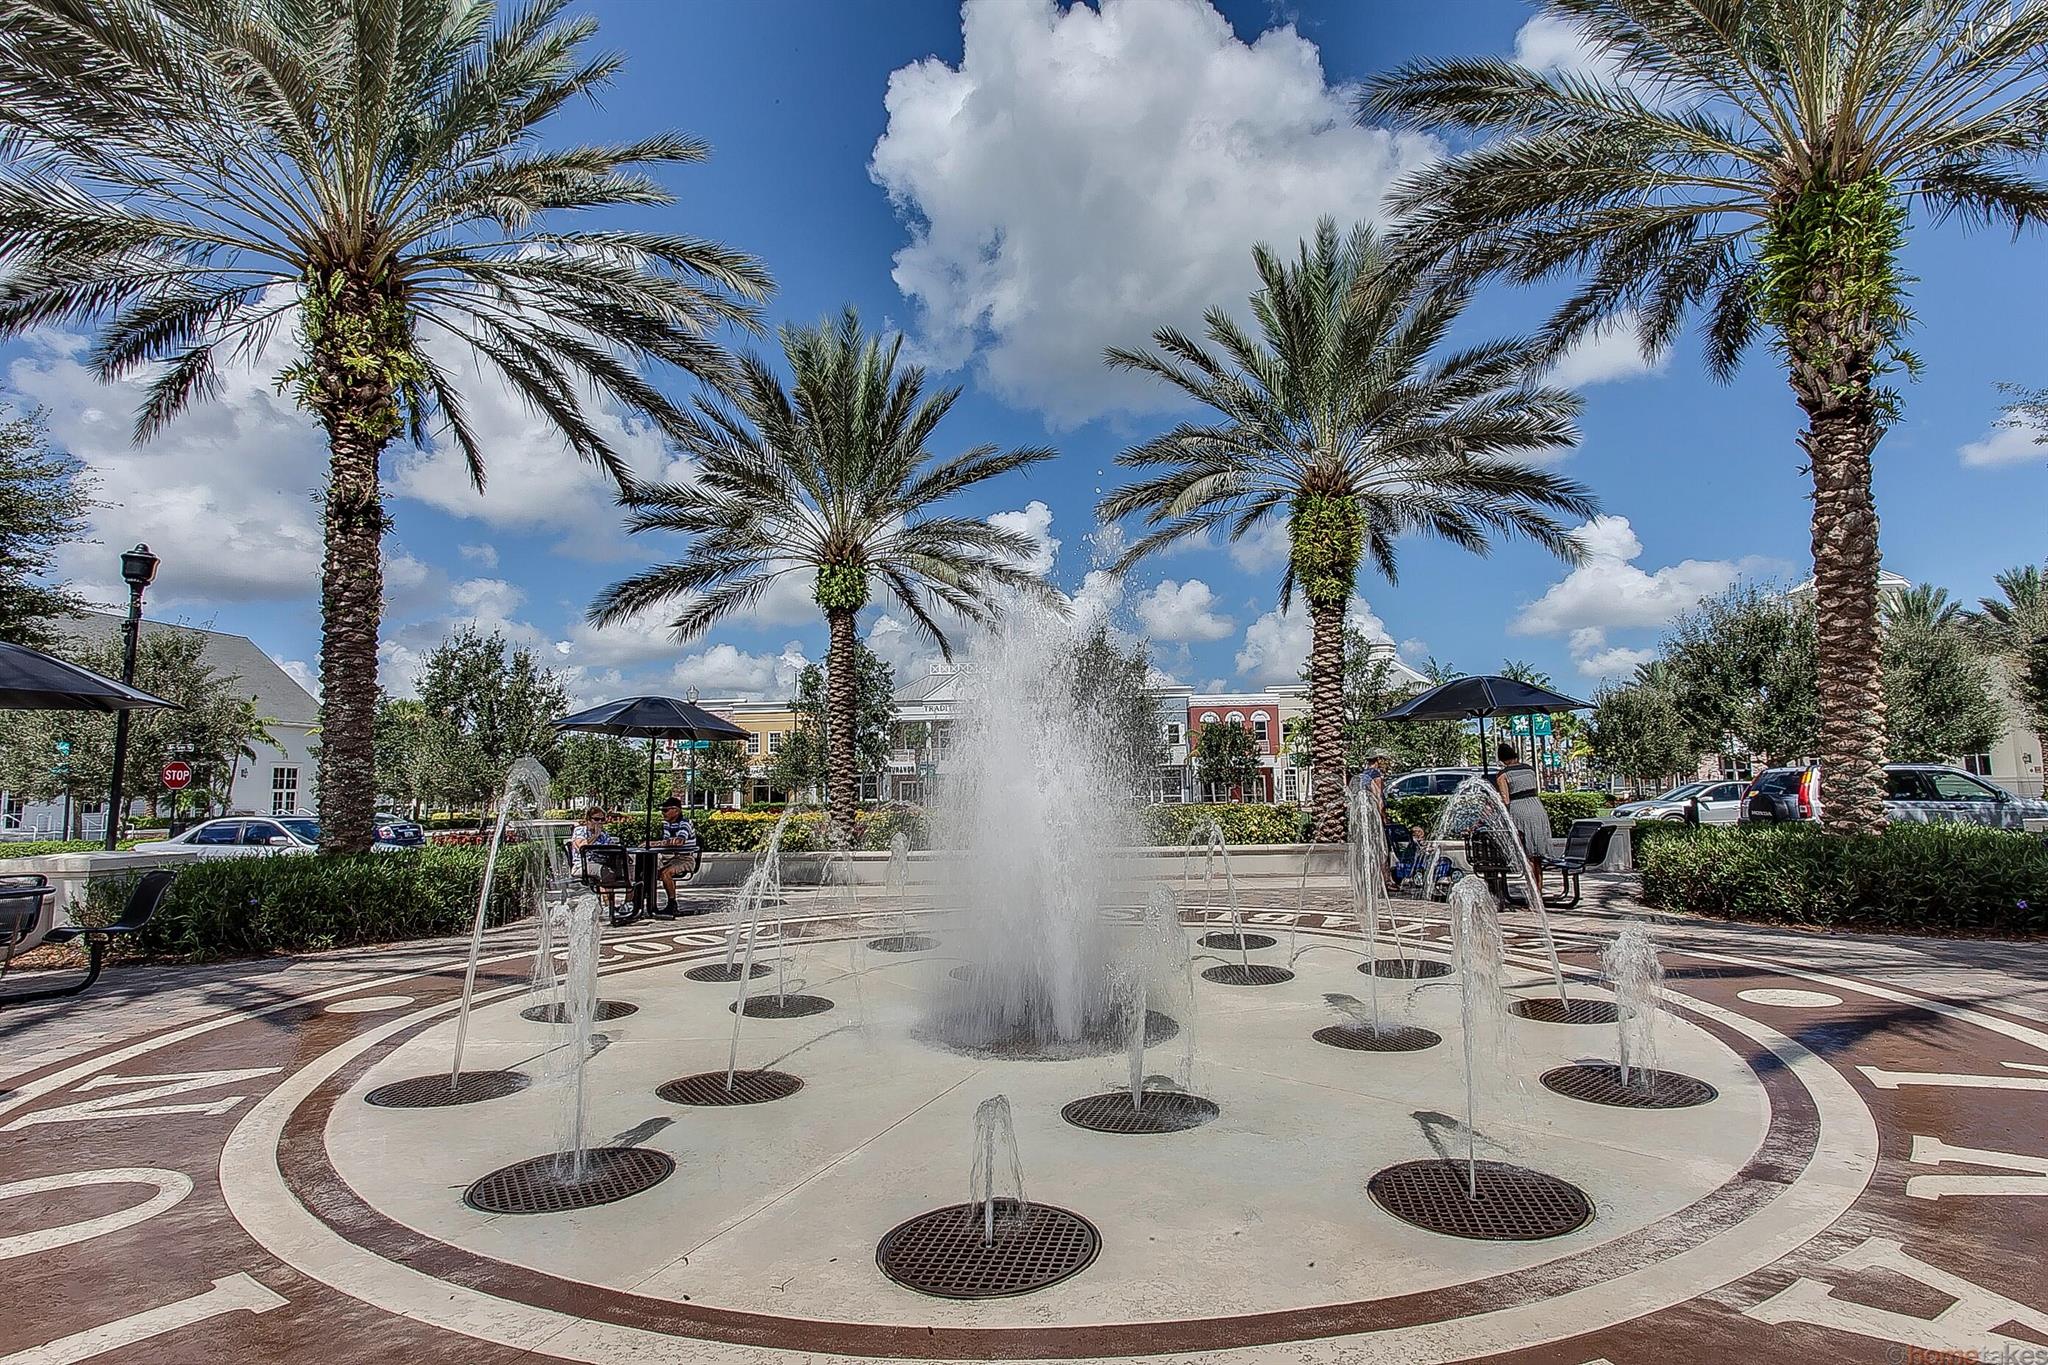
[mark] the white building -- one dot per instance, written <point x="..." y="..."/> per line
<point x="281" y="777"/>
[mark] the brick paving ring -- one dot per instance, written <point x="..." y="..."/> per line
<point x="1163" y="1111"/>
<point x="1513" y="1203"/>
<point x="543" y="1184"/>
<point x="942" y="1253"/>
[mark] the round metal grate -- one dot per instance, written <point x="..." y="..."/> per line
<point x="1164" y="1111"/>
<point x="725" y="971"/>
<point x="748" y="1087"/>
<point x="557" y="1013"/>
<point x="1514" y="1204"/>
<point x="941" y="1252"/>
<point x="1232" y="941"/>
<point x="1551" y="1010"/>
<point x="1601" y="1083"/>
<point x="903" y="943"/>
<point x="792" y="1006"/>
<point x="1406" y="968"/>
<point x="434" y="1092"/>
<point x="543" y="1184"/>
<point x="1238" y="974"/>
<point x="1391" y="1038"/>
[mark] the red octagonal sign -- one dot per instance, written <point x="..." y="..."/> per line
<point x="177" y="775"/>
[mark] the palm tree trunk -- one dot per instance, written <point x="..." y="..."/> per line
<point x="1326" y="717"/>
<point x="840" y="779"/>
<point x="351" y="606"/>
<point x="1849" y="671"/>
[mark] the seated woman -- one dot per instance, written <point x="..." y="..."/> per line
<point x="608" y="875"/>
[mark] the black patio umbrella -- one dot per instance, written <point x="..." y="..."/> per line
<point x="31" y="680"/>
<point x="1480" y="696"/>
<point x="651" y="719"/>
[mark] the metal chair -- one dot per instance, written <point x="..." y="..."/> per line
<point x="143" y="899"/>
<point x="1579" y="850"/>
<point x="608" y="869"/>
<point x="1491" y="862"/>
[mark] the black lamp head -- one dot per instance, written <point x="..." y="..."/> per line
<point x="138" y="567"/>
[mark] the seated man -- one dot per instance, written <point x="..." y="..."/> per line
<point x="678" y="834"/>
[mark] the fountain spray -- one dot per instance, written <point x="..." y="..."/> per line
<point x="995" y="1137"/>
<point x="1635" y="976"/>
<point x="1475" y="938"/>
<point x="526" y="787"/>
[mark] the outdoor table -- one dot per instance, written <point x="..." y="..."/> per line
<point x="647" y="867"/>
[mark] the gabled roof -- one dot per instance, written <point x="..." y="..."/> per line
<point x="277" y="695"/>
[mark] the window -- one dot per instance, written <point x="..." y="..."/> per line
<point x="753" y="741"/>
<point x="1953" y="786"/>
<point x="1208" y="718"/>
<point x="284" y="791"/>
<point x="1293" y="794"/>
<point x="775" y="739"/>
<point x="261" y="832"/>
<point x="11" y="815"/>
<point x="1173" y="732"/>
<point x="1235" y="718"/>
<point x="1259" y="730"/>
<point x="1980" y="764"/>
<point x="218" y="832"/>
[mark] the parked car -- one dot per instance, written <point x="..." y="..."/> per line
<point x="1914" y="792"/>
<point x="395" y="831"/>
<point x="1720" y="803"/>
<point x="238" y="836"/>
<point x="1428" y="782"/>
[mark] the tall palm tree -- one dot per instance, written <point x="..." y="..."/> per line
<point x="1337" y="419"/>
<point x="186" y="175"/>
<point x="833" y="477"/>
<point x="1755" y="160"/>
<point x="2012" y="627"/>
<point x="1922" y="607"/>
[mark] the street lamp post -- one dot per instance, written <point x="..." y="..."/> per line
<point x="138" y="570"/>
<point x="690" y="768"/>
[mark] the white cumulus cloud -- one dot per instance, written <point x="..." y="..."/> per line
<point x="1276" y="645"/>
<point x="1182" y="611"/>
<point x="1087" y="174"/>
<point x="2007" y="444"/>
<point x="1610" y="351"/>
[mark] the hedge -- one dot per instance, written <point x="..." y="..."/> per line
<point x="1564" y="807"/>
<point x="1242" y="823"/>
<point x="233" y="907"/>
<point x="1940" y="878"/>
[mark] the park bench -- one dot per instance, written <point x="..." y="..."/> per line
<point x="143" y="899"/>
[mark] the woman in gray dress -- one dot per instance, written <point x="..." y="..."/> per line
<point x="1520" y="788"/>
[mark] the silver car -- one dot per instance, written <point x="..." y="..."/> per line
<point x="1720" y="803"/>
<point x="243" y="836"/>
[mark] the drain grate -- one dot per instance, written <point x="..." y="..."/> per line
<point x="748" y="1087"/>
<point x="557" y="1013"/>
<point x="1406" y="968"/>
<point x="941" y="1253"/>
<point x="903" y="943"/>
<point x="1164" y="1111"/>
<point x="434" y="1092"/>
<point x="1514" y="1204"/>
<point x="1238" y="942"/>
<point x="1601" y="1083"/>
<point x="1256" y="974"/>
<point x="792" y="1006"/>
<point x="725" y="971"/>
<point x="1392" y="1038"/>
<point x="1550" y="1010"/>
<point x="543" y="1184"/>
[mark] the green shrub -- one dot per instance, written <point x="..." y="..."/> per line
<point x="1242" y="823"/>
<point x="1563" y="808"/>
<point x="228" y="907"/>
<point x="37" y="848"/>
<point x="1917" y="878"/>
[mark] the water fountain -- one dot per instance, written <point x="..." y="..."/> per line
<point x="994" y="1245"/>
<point x="900" y="937"/>
<point x="1207" y="838"/>
<point x="1476" y="812"/>
<point x="1630" y="967"/>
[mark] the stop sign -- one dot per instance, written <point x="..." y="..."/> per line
<point x="177" y="774"/>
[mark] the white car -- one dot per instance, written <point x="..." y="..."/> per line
<point x="1720" y="803"/>
<point x="243" y="836"/>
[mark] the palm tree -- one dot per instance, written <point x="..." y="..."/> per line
<point x="186" y="175"/>
<point x="1755" y="160"/>
<point x="2012" y="627"/>
<point x="1922" y="607"/>
<point x="1336" y="419"/>
<point x="830" y="476"/>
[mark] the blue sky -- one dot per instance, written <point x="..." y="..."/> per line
<point x="1016" y="186"/>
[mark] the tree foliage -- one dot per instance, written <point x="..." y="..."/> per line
<point x="1114" y="686"/>
<point x="487" y="705"/>
<point x="1226" y="756"/>
<point x="44" y="499"/>
<point x="802" y="765"/>
<point x="1638" y="734"/>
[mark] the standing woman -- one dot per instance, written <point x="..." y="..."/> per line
<point x="1520" y="788"/>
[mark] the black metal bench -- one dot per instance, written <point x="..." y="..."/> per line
<point x="143" y="899"/>
<point x="1586" y="842"/>
<point x="1492" y="863"/>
